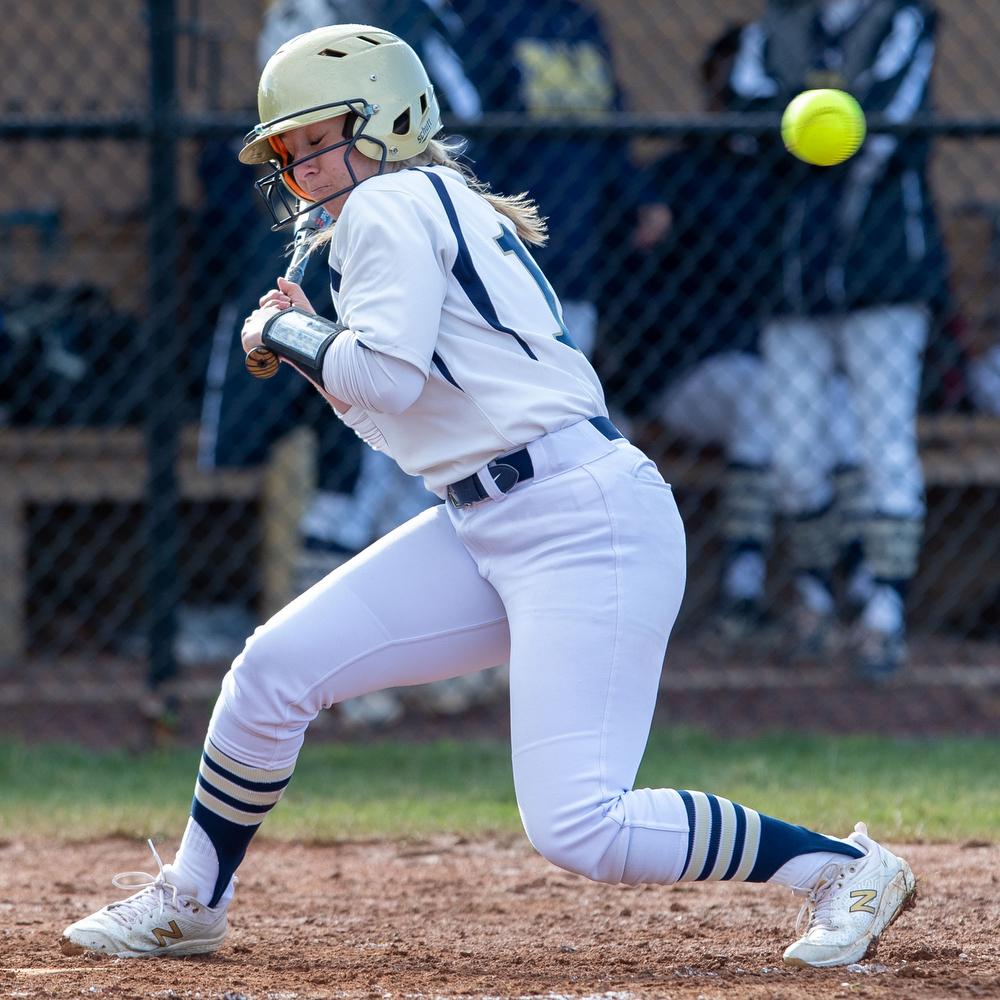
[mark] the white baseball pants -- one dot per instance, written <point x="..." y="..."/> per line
<point x="576" y="577"/>
<point x="880" y="350"/>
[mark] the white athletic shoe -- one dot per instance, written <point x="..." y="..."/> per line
<point x="851" y="904"/>
<point x="162" y="918"/>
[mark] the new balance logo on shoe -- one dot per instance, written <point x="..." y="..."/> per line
<point x="861" y="897"/>
<point x="161" y="933"/>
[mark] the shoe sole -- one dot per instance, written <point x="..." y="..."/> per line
<point x="867" y="945"/>
<point x="67" y="947"/>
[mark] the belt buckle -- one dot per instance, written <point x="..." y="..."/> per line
<point x="505" y="476"/>
<point x="454" y="499"/>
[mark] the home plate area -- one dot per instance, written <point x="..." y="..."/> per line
<point x="486" y="918"/>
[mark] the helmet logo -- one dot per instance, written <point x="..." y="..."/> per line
<point x="424" y="131"/>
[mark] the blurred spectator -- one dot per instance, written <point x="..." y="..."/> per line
<point x="69" y="357"/>
<point x="550" y="61"/>
<point x="431" y="27"/>
<point x="862" y="269"/>
<point x="984" y="380"/>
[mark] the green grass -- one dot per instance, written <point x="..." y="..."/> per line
<point x="942" y="789"/>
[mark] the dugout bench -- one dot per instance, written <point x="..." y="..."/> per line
<point x="956" y="449"/>
<point x="88" y="465"/>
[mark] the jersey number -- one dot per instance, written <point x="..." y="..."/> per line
<point x="510" y="244"/>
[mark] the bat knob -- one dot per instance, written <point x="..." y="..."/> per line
<point x="262" y="363"/>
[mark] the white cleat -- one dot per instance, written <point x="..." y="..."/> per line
<point x="851" y="904"/>
<point x="163" y="918"/>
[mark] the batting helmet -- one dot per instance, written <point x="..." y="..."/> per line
<point x="370" y="75"/>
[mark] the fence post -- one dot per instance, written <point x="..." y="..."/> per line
<point x="162" y="528"/>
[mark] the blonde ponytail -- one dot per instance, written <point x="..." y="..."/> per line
<point x="519" y="208"/>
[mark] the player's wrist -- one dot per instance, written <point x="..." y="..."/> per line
<point x="302" y="338"/>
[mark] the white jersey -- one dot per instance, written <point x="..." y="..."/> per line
<point x="425" y="270"/>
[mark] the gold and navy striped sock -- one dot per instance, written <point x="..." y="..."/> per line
<point x="729" y="842"/>
<point x="230" y="802"/>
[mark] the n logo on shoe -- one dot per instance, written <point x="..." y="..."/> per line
<point x="161" y="933"/>
<point x="862" y="897"/>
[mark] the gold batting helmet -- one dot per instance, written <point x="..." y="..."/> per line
<point x="370" y="75"/>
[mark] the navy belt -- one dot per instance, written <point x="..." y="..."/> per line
<point x="509" y="470"/>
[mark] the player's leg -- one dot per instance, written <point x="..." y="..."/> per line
<point x="412" y="608"/>
<point x="589" y="623"/>
<point x="883" y="349"/>
<point x="591" y="588"/>
<point x="800" y="356"/>
<point x="852" y="503"/>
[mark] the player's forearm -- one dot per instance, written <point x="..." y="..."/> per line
<point x="375" y="382"/>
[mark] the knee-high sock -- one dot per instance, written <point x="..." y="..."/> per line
<point x="747" y="529"/>
<point x="851" y="503"/>
<point x="814" y="543"/>
<point x="729" y="842"/>
<point x="748" y="509"/>
<point x="892" y="547"/>
<point x="231" y="800"/>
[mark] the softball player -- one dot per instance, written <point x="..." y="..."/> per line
<point x="559" y="547"/>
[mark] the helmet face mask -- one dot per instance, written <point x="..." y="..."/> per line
<point x="276" y="186"/>
<point x="305" y="83"/>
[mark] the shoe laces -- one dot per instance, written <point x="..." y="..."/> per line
<point x="153" y="892"/>
<point x="819" y="900"/>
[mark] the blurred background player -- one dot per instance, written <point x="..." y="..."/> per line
<point x="862" y="270"/>
<point x="684" y="313"/>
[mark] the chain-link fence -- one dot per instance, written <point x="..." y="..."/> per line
<point x="810" y="354"/>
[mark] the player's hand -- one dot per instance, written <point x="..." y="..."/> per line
<point x="287" y="294"/>
<point x="253" y="326"/>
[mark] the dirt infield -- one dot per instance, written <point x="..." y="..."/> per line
<point x="487" y="919"/>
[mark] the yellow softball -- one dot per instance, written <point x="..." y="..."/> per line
<point x="823" y="127"/>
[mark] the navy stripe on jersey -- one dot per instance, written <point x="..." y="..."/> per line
<point x="443" y="368"/>
<point x="509" y="243"/>
<point x="334" y="279"/>
<point x="465" y="271"/>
